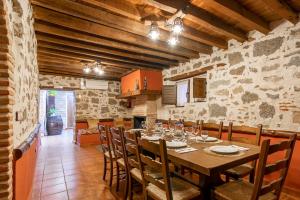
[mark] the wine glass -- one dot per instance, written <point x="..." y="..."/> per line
<point x="204" y="135"/>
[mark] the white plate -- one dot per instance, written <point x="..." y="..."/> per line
<point x="208" y="139"/>
<point x="151" y="138"/>
<point x="221" y="149"/>
<point x="136" y="129"/>
<point x="176" y="144"/>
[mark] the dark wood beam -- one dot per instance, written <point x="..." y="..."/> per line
<point x="100" y="49"/>
<point x="234" y="9"/>
<point x="108" y="32"/>
<point x="200" y="16"/>
<point x="77" y="75"/>
<point x="84" y="57"/>
<point x="117" y="6"/>
<point x="55" y="60"/>
<point x="75" y="35"/>
<point x="119" y="22"/>
<point x="282" y="9"/>
<point x="98" y="55"/>
<point x="78" y="66"/>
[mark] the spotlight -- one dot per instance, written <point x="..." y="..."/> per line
<point x="177" y="26"/>
<point x="173" y="40"/>
<point x="86" y="70"/>
<point x="154" y="31"/>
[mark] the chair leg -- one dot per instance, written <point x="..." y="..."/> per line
<point x="130" y="185"/>
<point x="111" y="173"/>
<point x="251" y="176"/>
<point x="126" y="186"/>
<point x="104" y="168"/>
<point x="118" y="177"/>
<point x="227" y="178"/>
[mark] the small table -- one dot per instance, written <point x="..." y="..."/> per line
<point x="211" y="166"/>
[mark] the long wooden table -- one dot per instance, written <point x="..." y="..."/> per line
<point x="210" y="166"/>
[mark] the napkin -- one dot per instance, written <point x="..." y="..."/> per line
<point x="240" y="148"/>
<point x="186" y="150"/>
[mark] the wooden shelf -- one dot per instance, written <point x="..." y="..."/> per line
<point x="138" y="93"/>
<point x="193" y="73"/>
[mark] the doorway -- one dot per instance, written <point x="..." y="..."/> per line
<point x="57" y="112"/>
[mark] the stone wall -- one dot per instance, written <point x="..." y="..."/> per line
<point x="24" y="53"/>
<point x="257" y="82"/>
<point x="96" y="104"/>
<point x="90" y="104"/>
<point x="59" y="81"/>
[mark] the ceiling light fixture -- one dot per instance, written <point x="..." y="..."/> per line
<point x="177" y="27"/>
<point x="173" y="40"/>
<point x="87" y="69"/>
<point x="154" y="31"/>
<point x="98" y="68"/>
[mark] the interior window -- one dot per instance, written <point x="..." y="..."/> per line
<point x="182" y="93"/>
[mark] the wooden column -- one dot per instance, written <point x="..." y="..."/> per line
<point x="6" y="103"/>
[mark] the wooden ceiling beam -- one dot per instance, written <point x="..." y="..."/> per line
<point x="75" y="35"/>
<point x="57" y="61"/>
<point x="204" y="18"/>
<point x="119" y="22"/>
<point x="118" y="6"/>
<point x="84" y="57"/>
<point x="282" y="9"/>
<point x="235" y="10"/>
<point x="77" y="75"/>
<point x="97" y="48"/>
<point x="98" y="55"/>
<point x="108" y="32"/>
<point x="78" y="66"/>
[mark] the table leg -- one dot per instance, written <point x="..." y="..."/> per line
<point x="207" y="183"/>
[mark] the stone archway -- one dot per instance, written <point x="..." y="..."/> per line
<point x="6" y="104"/>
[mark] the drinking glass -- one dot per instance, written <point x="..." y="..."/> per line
<point x="204" y="135"/>
<point x="143" y="124"/>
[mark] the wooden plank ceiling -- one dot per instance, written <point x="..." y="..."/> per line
<point x="72" y="33"/>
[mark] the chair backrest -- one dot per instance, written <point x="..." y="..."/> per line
<point x="104" y="139"/>
<point x="159" y="166"/>
<point x="130" y="147"/>
<point x="212" y="128"/>
<point x="265" y="168"/>
<point x="244" y="130"/>
<point x="117" y="141"/>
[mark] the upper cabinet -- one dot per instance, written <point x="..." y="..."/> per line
<point x="141" y="82"/>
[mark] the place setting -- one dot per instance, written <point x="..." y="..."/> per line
<point x="226" y="150"/>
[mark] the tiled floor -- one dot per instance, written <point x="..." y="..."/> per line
<point x="65" y="171"/>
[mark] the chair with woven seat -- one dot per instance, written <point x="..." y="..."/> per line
<point x="167" y="187"/>
<point x="249" y="168"/>
<point x="240" y="189"/>
<point x="108" y="155"/>
<point x="117" y="139"/>
<point x="214" y="130"/>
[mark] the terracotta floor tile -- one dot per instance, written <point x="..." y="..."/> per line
<point x="53" y="175"/>
<point x="57" y="196"/>
<point x="53" y="189"/>
<point x="52" y="182"/>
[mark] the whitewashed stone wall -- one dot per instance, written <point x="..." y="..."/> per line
<point x="59" y="81"/>
<point x="91" y="104"/>
<point x="97" y="104"/>
<point x="24" y="53"/>
<point x="259" y="83"/>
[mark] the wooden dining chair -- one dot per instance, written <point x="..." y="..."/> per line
<point x="249" y="168"/>
<point x="117" y="139"/>
<point x="108" y="155"/>
<point x="240" y="189"/>
<point x="168" y="187"/>
<point x="214" y="130"/>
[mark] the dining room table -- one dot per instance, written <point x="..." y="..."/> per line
<point x="210" y="165"/>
